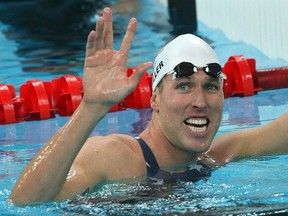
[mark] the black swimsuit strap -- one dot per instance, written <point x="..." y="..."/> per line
<point x="200" y="171"/>
<point x="151" y="163"/>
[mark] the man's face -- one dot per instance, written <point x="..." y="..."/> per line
<point x="189" y="110"/>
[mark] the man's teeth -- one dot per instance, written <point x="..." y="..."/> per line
<point x="197" y="129"/>
<point x="193" y="121"/>
<point x="197" y="125"/>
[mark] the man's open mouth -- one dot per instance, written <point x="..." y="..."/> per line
<point x="198" y="125"/>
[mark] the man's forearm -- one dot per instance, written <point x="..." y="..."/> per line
<point x="44" y="177"/>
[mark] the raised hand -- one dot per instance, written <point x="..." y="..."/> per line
<point x="105" y="80"/>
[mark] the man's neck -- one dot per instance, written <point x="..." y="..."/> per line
<point x="167" y="155"/>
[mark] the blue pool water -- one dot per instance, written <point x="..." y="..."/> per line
<point x="251" y="186"/>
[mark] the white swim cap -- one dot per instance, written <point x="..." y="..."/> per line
<point x="184" y="48"/>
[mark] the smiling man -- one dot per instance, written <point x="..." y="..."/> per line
<point x="187" y="104"/>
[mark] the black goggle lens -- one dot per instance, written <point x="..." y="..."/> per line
<point x="185" y="69"/>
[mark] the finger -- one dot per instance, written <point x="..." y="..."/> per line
<point x="90" y="50"/>
<point x="99" y="39"/>
<point x="108" y="28"/>
<point x="128" y="38"/>
<point x="140" y="70"/>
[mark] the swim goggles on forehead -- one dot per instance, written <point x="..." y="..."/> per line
<point x="185" y="69"/>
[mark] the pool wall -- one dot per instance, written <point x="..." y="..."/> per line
<point x="261" y="23"/>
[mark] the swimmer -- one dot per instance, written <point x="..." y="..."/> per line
<point x="187" y="104"/>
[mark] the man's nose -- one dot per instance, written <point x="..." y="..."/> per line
<point x="199" y="99"/>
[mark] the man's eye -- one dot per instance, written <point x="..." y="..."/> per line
<point x="183" y="86"/>
<point x="212" y="87"/>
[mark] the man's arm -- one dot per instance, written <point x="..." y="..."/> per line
<point x="268" y="139"/>
<point x="105" y="83"/>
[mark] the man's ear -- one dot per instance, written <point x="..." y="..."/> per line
<point x="154" y="101"/>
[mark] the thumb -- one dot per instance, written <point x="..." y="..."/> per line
<point x="139" y="71"/>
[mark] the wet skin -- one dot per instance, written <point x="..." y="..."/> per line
<point x="186" y="116"/>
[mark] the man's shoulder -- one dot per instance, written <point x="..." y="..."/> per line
<point x="208" y="161"/>
<point x="113" y="142"/>
<point x="119" y="152"/>
<point x="111" y="139"/>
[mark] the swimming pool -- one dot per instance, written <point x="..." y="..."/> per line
<point x="250" y="185"/>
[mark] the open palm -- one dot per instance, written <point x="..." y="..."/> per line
<point x="105" y="79"/>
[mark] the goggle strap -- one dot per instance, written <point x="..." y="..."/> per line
<point x="174" y="76"/>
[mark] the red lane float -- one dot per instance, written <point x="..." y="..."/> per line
<point x="244" y="80"/>
<point x="273" y="78"/>
<point x="241" y="77"/>
<point x="37" y="96"/>
<point x="67" y="93"/>
<point x="140" y="97"/>
<point x="42" y="100"/>
<point x="7" y="110"/>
